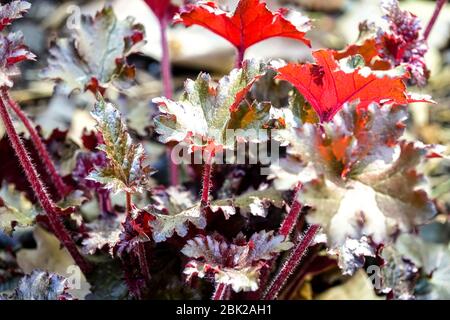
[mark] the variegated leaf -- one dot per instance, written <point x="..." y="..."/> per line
<point x="237" y="264"/>
<point x="94" y="56"/>
<point x="126" y="169"/>
<point x="15" y="210"/>
<point x="206" y="110"/>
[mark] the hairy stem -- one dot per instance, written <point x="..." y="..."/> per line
<point x="239" y="57"/>
<point x="206" y="188"/>
<point x="143" y="262"/>
<point x="291" y="218"/>
<point x="53" y="213"/>
<point x="437" y="10"/>
<point x="141" y="251"/>
<point x="168" y="92"/>
<point x="220" y="292"/>
<point x="61" y="187"/>
<point x="291" y="264"/>
<point x="128" y="204"/>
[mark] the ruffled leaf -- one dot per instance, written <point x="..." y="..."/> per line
<point x="359" y="179"/>
<point x="94" y="56"/>
<point x="41" y="285"/>
<point x="173" y="210"/>
<point x="12" y="11"/>
<point x="126" y="169"/>
<point x="329" y="84"/>
<point x="15" y="210"/>
<point x="103" y="233"/>
<point x="203" y="114"/>
<point x="164" y="226"/>
<point x="250" y="23"/>
<point x="255" y="203"/>
<point x="12" y="51"/>
<point x="237" y="264"/>
<point x="433" y="260"/>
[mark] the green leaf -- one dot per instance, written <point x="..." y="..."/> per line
<point x="375" y="203"/>
<point x="15" y="210"/>
<point x="397" y="274"/>
<point x="126" y="169"/>
<point x="173" y="210"/>
<point x="359" y="178"/>
<point x="107" y="280"/>
<point x="237" y="264"/>
<point x="103" y="232"/>
<point x="41" y="285"/>
<point x="94" y="56"/>
<point x="434" y="263"/>
<point x="164" y="226"/>
<point x="253" y="202"/>
<point x="204" y="112"/>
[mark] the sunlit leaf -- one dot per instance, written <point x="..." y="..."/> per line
<point x="94" y="56"/>
<point x="329" y="84"/>
<point x="251" y="23"/>
<point x="204" y="112"/>
<point x="12" y="11"/>
<point x="237" y="264"/>
<point x="41" y="285"/>
<point x="126" y="169"/>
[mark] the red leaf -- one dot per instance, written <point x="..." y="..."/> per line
<point x="163" y="9"/>
<point x="251" y="23"/>
<point x="369" y="51"/>
<point x="327" y="87"/>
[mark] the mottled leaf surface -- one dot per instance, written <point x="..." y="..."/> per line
<point x="237" y="264"/>
<point x="12" y="11"/>
<point x="12" y="48"/>
<point x="41" y="285"/>
<point x="126" y="169"/>
<point x="202" y="115"/>
<point x="94" y="56"/>
<point x="173" y="211"/>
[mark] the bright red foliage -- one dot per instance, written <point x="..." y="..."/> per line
<point x="251" y="23"/>
<point x="163" y="9"/>
<point x="369" y="50"/>
<point x="327" y="87"/>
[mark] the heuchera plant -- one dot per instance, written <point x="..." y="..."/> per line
<point x="348" y="182"/>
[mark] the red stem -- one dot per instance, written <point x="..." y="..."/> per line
<point x="128" y="204"/>
<point x="220" y="292"/>
<point x="168" y="92"/>
<point x="165" y="62"/>
<point x="291" y="264"/>
<point x="143" y="263"/>
<point x="437" y="10"/>
<point x="37" y="142"/>
<point x="239" y="57"/>
<point x="39" y="189"/>
<point x="141" y="251"/>
<point x="291" y="218"/>
<point x="207" y="170"/>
